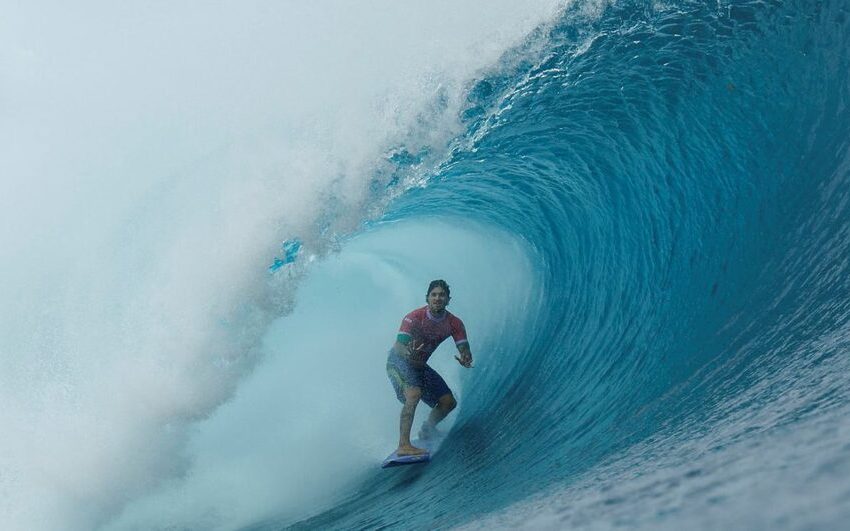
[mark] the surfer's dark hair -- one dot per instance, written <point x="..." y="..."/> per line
<point x="438" y="284"/>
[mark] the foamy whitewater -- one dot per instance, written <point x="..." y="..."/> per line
<point x="212" y="219"/>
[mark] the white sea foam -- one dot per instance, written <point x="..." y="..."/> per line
<point x="151" y="160"/>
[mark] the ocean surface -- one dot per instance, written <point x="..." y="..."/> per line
<point x="642" y="209"/>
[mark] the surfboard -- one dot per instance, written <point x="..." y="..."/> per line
<point x="400" y="460"/>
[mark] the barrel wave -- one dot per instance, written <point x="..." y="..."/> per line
<point x="679" y="174"/>
<point x="643" y="211"/>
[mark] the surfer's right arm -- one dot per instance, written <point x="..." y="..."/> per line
<point x="404" y="346"/>
<point x="402" y="349"/>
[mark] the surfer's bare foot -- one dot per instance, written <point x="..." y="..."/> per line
<point x="409" y="449"/>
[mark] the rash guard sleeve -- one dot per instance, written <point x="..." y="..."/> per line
<point x="458" y="331"/>
<point x="405" y="331"/>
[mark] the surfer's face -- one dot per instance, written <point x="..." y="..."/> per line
<point x="438" y="299"/>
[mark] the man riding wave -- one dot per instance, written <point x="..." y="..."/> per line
<point x="421" y="331"/>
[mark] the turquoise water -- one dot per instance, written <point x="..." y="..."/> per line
<point x="681" y="176"/>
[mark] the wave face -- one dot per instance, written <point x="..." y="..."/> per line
<point x="680" y="173"/>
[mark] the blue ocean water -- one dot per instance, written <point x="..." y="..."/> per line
<point x="680" y="175"/>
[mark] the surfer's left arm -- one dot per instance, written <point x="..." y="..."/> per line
<point x="465" y="358"/>
<point x="461" y="342"/>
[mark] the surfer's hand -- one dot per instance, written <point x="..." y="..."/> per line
<point x="465" y="359"/>
<point x="413" y="347"/>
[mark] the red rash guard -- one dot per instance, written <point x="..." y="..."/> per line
<point x="423" y="332"/>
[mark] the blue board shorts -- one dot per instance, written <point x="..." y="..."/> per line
<point x="403" y="374"/>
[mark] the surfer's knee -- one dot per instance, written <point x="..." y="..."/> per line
<point x="448" y="402"/>
<point x="412" y="395"/>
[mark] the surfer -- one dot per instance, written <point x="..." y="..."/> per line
<point x="422" y="330"/>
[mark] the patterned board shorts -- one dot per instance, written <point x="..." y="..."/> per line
<point x="402" y="374"/>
